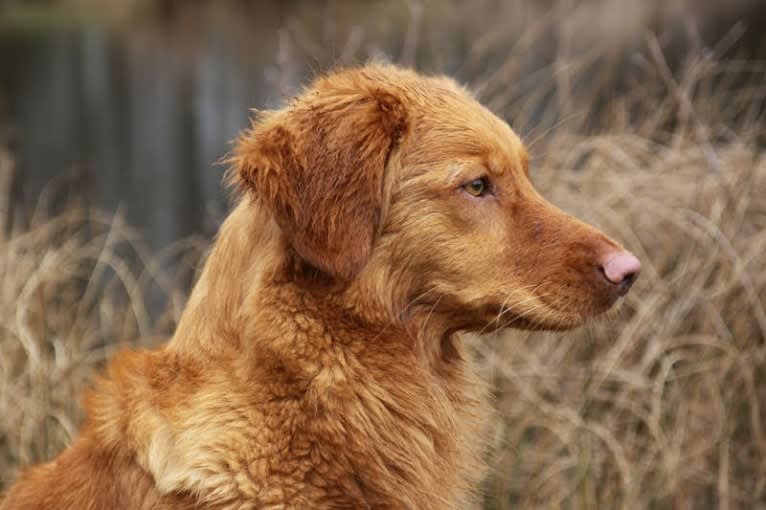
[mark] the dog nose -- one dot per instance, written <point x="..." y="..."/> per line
<point x="621" y="268"/>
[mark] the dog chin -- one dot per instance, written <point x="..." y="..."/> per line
<point x="545" y="320"/>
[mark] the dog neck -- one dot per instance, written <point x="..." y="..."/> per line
<point x="386" y="419"/>
<point x="245" y="282"/>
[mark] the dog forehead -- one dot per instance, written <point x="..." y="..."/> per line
<point x="451" y="124"/>
<point x="445" y="120"/>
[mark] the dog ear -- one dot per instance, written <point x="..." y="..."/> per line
<point x="319" y="165"/>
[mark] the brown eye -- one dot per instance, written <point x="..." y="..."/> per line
<point x="477" y="187"/>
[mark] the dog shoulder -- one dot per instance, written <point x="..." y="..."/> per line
<point x="168" y="413"/>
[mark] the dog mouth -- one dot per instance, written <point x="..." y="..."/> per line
<point x="547" y="316"/>
<point x="499" y="317"/>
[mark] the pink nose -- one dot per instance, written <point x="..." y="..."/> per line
<point x="621" y="268"/>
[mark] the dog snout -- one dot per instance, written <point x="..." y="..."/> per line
<point x="620" y="268"/>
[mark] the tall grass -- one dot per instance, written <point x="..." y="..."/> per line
<point x="660" y="405"/>
<point x="74" y="287"/>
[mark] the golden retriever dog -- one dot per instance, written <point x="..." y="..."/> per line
<point x="319" y="362"/>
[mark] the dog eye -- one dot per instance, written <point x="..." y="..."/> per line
<point x="477" y="187"/>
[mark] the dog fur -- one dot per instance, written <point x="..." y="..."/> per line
<point x="319" y="362"/>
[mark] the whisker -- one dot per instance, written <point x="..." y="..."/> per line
<point x="428" y="317"/>
<point x="504" y="310"/>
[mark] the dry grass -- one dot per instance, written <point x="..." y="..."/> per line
<point x="71" y="293"/>
<point x="660" y="406"/>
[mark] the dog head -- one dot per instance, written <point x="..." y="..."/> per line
<point x="382" y="174"/>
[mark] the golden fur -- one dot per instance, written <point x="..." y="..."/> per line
<point x="319" y="362"/>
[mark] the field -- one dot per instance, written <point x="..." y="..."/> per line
<point x="660" y="405"/>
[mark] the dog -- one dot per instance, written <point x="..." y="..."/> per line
<point x="319" y="362"/>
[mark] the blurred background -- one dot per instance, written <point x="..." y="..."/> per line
<point x="643" y="118"/>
